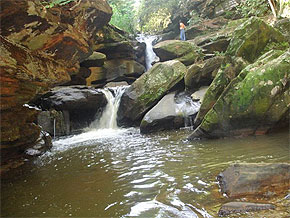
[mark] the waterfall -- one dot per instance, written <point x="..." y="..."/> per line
<point x="150" y="55"/>
<point x="108" y="119"/>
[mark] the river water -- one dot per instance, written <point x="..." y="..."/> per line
<point x="121" y="173"/>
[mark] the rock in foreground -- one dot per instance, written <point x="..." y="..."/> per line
<point x="246" y="180"/>
<point x="243" y="207"/>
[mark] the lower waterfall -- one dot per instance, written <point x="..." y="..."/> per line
<point x="108" y="119"/>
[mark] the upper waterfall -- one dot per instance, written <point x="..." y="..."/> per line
<point x="150" y="55"/>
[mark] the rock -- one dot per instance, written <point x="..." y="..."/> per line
<point x="250" y="39"/>
<point x="169" y="113"/>
<point x="253" y="103"/>
<point x="205" y="27"/>
<point x="243" y="207"/>
<point x="213" y="8"/>
<point x="97" y="59"/>
<point x="199" y="94"/>
<point x="115" y="71"/>
<point x="56" y="123"/>
<point x="202" y="74"/>
<point x="66" y="32"/>
<point x="283" y="26"/>
<point x="23" y="75"/>
<point x="43" y="144"/>
<point x="228" y="71"/>
<point x="148" y="89"/>
<point x="184" y="51"/>
<point x="252" y="180"/>
<point x="80" y="102"/>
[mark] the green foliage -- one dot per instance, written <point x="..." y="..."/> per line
<point x="124" y="15"/>
<point x="52" y="3"/>
<point x="276" y="46"/>
<point x="155" y="15"/>
<point x="248" y="8"/>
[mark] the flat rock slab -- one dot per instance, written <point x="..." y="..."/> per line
<point x="251" y="179"/>
<point x="243" y="207"/>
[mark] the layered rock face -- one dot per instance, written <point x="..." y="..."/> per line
<point x="66" y="31"/>
<point x="40" y="47"/>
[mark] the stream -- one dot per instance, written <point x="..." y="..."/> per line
<point x="108" y="171"/>
<point x="120" y="173"/>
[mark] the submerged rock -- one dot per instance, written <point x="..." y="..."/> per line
<point x="184" y="51"/>
<point x="250" y="39"/>
<point x="169" y="113"/>
<point x="253" y="103"/>
<point x="147" y="90"/>
<point x="248" y="180"/>
<point x="243" y="207"/>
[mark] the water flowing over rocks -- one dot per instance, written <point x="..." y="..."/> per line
<point x="79" y="106"/>
<point x="255" y="179"/>
<point x="171" y="112"/>
<point x="148" y="89"/>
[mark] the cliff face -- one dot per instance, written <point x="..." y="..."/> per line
<point x="40" y="47"/>
<point x="64" y="31"/>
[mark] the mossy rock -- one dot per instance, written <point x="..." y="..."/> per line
<point x="225" y="75"/>
<point x="250" y="39"/>
<point x="184" y="51"/>
<point x="148" y="89"/>
<point x="255" y="100"/>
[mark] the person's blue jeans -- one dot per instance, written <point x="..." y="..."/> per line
<point x="182" y="35"/>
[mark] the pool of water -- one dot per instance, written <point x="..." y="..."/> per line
<point x="121" y="173"/>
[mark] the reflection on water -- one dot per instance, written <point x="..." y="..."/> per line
<point x="120" y="173"/>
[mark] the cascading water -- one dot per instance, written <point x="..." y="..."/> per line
<point x="108" y="118"/>
<point x="150" y="55"/>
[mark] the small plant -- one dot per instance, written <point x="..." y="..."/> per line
<point x="248" y="8"/>
<point x="276" y="46"/>
<point x="219" y="53"/>
<point x="52" y="3"/>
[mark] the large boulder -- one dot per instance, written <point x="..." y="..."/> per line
<point x="254" y="102"/>
<point x="81" y="104"/>
<point x="171" y="112"/>
<point x="148" y="89"/>
<point x="250" y="39"/>
<point x="184" y="51"/>
<point x="228" y="71"/>
<point x="66" y="31"/>
<point x="253" y="179"/>
<point x="202" y="74"/>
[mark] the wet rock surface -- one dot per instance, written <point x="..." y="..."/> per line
<point x="171" y="112"/>
<point x="249" y="180"/>
<point x="79" y="106"/>
<point x="242" y="207"/>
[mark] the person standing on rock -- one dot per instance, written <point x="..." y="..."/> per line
<point x="182" y="31"/>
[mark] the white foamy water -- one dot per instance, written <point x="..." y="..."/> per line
<point x="150" y="55"/>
